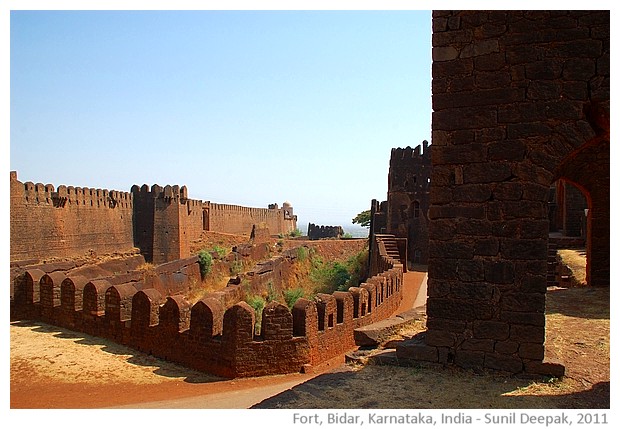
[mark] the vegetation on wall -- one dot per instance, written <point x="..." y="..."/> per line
<point x="205" y="261"/>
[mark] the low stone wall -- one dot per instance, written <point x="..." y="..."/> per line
<point x="153" y="316"/>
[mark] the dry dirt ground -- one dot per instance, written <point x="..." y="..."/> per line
<point x="56" y="368"/>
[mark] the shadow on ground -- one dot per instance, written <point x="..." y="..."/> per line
<point x="390" y="387"/>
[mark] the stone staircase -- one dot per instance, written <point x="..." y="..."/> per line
<point x="391" y="247"/>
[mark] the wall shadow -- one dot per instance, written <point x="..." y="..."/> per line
<point x="383" y="387"/>
<point x="585" y="303"/>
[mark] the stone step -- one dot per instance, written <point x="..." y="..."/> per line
<point x="377" y="333"/>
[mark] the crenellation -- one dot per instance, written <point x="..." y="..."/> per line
<point x="207" y="336"/>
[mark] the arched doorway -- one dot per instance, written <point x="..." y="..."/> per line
<point x="586" y="169"/>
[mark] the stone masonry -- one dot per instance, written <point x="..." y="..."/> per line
<point x="520" y="99"/>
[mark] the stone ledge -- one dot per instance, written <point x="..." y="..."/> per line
<point x="377" y="333"/>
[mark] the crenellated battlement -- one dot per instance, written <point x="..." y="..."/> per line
<point x="420" y="151"/>
<point x="161" y="221"/>
<point x="68" y="220"/>
<point x="317" y="232"/>
<point x="168" y="192"/>
<point x="208" y="335"/>
<point x="65" y="196"/>
<point x="409" y="183"/>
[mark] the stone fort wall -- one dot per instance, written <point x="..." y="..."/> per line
<point x="65" y="221"/>
<point x="46" y="222"/>
<point x="234" y="219"/>
<point x="520" y="99"/>
<point x="409" y="197"/>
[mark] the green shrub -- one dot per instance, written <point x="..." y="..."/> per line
<point x="329" y="277"/>
<point x="205" y="261"/>
<point x="336" y="276"/>
<point x="296" y="233"/>
<point x="302" y="254"/>
<point x="358" y="268"/>
<point x="292" y="295"/>
<point x="236" y="267"/>
<point x="272" y="293"/>
<point x="220" y="251"/>
<point x="257" y="303"/>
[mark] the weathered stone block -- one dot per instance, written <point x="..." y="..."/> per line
<point x="439" y="24"/>
<point x="523" y="302"/>
<point x="472" y="193"/>
<point x="440" y="338"/>
<point x="486" y="172"/>
<point x="527" y="318"/>
<point x="503" y="362"/>
<point x="444" y="69"/>
<point x="486" y="247"/>
<point x="452" y="249"/>
<point x="534" y="284"/>
<point x="543" y="70"/>
<point x="499" y="94"/>
<point x="527" y="333"/>
<point x="444" y="270"/>
<point x="482" y="345"/>
<point x="457" y="154"/>
<point x="473" y="227"/>
<point x="450" y="309"/>
<point x="506" y="347"/>
<point x="524" y="249"/>
<point x="529" y="129"/>
<point x="416" y="350"/>
<point x="440" y="195"/>
<point x="464" y="118"/>
<point x="445" y="53"/>
<point x="490" y="62"/>
<point x="494" y="80"/>
<point x="478" y="48"/>
<point x="564" y="109"/>
<point x="501" y="272"/>
<point x="511" y="150"/>
<point x="586" y="48"/>
<point x="491" y="329"/>
<point x="470" y="270"/>
<point x="472" y="212"/>
<point x="576" y="90"/>
<point x="446" y="324"/>
<point x="476" y="291"/>
<point x="532" y="351"/>
<point x="469" y="358"/>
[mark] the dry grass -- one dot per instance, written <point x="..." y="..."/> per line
<point x="574" y="261"/>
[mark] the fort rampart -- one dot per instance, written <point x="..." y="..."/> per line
<point x="317" y="232"/>
<point x="235" y="219"/>
<point x="154" y="316"/>
<point x="67" y="221"/>
<point x="160" y="221"/>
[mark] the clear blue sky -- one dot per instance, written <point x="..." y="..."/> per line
<point x="242" y="107"/>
